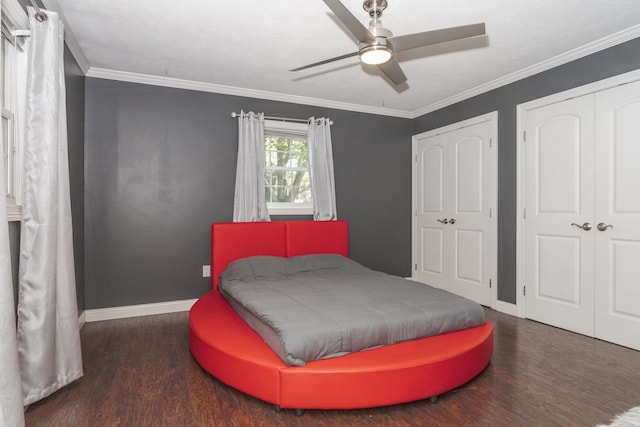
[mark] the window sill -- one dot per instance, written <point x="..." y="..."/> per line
<point x="14" y="213"/>
<point x="290" y="210"/>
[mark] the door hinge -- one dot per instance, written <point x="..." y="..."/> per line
<point x="489" y="283"/>
<point x="524" y="136"/>
<point x="416" y="158"/>
<point x="415" y="267"/>
<point x="490" y="142"/>
<point x="489" y="212"/>
<point x="524" y="213"/>
<point x="524" y="291"/>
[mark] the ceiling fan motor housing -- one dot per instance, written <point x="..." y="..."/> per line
<point x="379" y="43"/>
<point x="378" y="31"/>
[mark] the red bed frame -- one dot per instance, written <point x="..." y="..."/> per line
<point x="226" y="347"/>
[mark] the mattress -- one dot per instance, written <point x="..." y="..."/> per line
<point x="320" y="306"/>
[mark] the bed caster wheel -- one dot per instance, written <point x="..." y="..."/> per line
<point x="299" y="412"/>
<point x="277" y="408"/>
<point x="433" y="399"/>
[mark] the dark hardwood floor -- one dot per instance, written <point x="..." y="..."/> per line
<point x="139" y="372"/>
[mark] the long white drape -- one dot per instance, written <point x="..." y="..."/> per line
<point x="323" y="187"/>
<point x="11" y="411"/>
<point x="48" y="330"/>
<point x="249" y="203"/>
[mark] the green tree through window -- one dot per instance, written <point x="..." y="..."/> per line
<point x="287" y="177"/>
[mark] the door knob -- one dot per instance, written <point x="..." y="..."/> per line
<point x="452" y="221"/>
<point x="444" y="221"/>
<point x="586" y="226"/>
<point x="602" y="226"/>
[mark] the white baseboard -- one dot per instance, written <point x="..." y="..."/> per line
<point x="82" y="319"/>
<point x="98" y="314"/>
<point x="507" y="308"/>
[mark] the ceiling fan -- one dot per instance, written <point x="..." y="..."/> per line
<point x="377" y="46"/>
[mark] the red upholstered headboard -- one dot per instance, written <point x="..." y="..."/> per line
<point x="233" y="240"/>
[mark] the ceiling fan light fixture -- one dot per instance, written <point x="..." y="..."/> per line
<point x="375" y="54"/>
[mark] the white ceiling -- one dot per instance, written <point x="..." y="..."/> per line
<point x="251" y="45"/>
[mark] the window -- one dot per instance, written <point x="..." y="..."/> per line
<point x="287" y="179"/>
<point x="12" y="85"/>
<point x="9" y="149"/>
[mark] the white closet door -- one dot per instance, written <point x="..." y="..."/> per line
<point x="470" y="190"/>
<point x="559" y="180"/>
<point x="433" y="234"/>
<point x="617" y="253"/>
<point x="454" y="241"/>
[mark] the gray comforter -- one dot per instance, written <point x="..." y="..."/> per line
<point x="319" y="306"/>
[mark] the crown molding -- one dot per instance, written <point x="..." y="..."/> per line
<point x="588" y="49"/>
<point x="69" y="37"/>
<point x="125" y="76"/>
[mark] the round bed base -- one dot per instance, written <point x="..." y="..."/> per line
<point x="226" y="347"/>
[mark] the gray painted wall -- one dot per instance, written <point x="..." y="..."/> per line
<point x="74" y="84"/>
<point x="613" y="61"/>
<point x="14" y="251"/>
<point x="160" y="168"/>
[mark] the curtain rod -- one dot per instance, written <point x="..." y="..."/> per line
<point x="40" y="15"/>
<point x="281" y="119"/>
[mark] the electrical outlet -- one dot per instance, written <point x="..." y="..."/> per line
<point x="206" y="271"/>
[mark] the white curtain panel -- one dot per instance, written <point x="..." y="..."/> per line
<point x="249" y="204"/>
<point x="323" y="187"/>
<point x="11" y="411"/>
<point x="48" y="329"/>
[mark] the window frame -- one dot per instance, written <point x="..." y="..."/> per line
<point x="287" y="130"/>
<point x="13" y="73"/>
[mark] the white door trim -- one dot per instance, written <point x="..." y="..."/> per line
<point x="521" y="111"/>
<point x="493" y="118"/>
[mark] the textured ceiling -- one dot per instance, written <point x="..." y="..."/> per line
<point x="251" y="44"/>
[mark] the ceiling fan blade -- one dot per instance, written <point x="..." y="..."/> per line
<point x="412" y="41"/>
<point x="359" y="31"/>
<point x="392" y="69"/>
<point x="326" y="61"/>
